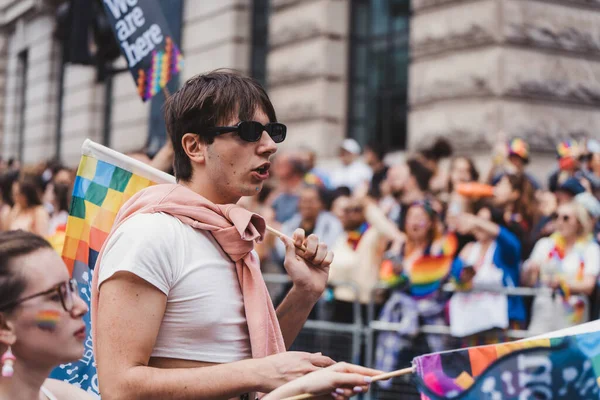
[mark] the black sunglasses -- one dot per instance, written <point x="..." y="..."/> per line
<point x="66" y="290"/>
<point x="251" y="131"/>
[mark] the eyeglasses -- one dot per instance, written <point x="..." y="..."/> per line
<point x="66" y="292"/>
<point x="251" y="131"/>
<point x="563" y="217"/>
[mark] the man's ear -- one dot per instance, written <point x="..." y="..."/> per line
<point x="8" y="336"/>
<point x="194" y="147"/>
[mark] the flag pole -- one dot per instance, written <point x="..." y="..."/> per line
<point x="282" y="235"/>
<point x="382" y="377"/>
<point x="393" y="374"/>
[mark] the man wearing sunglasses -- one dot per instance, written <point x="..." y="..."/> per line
<point x="170" y="296"/>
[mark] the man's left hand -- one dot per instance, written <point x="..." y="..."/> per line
<point x="308" y="269"/>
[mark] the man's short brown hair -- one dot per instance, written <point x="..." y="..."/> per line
<point x="209" y="100"/>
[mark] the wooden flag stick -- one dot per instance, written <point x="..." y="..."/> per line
<point x="281" y="235"/>
<point x="382" y="377"/>
<point x="393" y="374"/>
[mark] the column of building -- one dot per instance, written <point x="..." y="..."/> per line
<point x="307" y="70"/>
<point x="491" y="69"/>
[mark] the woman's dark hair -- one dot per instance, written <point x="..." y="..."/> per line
<point x="62" y="194"/>
<point x="497" y="215"/>
<point x="6" y="182"/>
<point x="473" y="172"/>
<point x="440" y="149"/>
<point x="30" y="187"/>
<point x="525" y="204"/>
<point x="14" y="244"/>
<point x="378" y="149"/>
<point x="208" y="100"/>
<point x="420" y="172"/>
<point x="325" y="196"/>
<point x="341" y="191"/>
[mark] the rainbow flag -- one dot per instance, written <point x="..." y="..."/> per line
<point x="105" y="180"/>
<point x="427" y="273"/>
<point x="563" y="367"/>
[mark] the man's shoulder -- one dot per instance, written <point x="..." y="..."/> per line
<point x="148" y="228"/>
<point x="149" y="222"/>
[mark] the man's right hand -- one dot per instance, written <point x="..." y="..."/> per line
<point x="281" y="368"/>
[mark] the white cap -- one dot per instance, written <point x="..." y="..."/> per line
<point x="590" y="203"/>
<point x="351" y="146"/>
<point x="593" y="146"/>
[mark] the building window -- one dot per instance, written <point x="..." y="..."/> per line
<point x="378" y="71"/>
<point x="21" y="99"/>
<point x="260" y="40"/>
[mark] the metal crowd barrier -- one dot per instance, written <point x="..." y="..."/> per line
<point x="349" y="341"/>
<point x="404" y="386"/>
<point x="340" y="341"/>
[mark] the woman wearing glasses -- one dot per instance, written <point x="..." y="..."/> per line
<point x="568" y="261"/>
<point x="41" y="323"/>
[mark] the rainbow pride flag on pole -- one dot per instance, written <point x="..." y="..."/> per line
<point x="105" y="180"/>
<point x="563" y="365"/>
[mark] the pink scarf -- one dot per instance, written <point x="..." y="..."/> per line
<point x="235" y="229"/>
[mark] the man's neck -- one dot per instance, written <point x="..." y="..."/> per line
<point x="25" y="384"/>
<point x="208" y="191"/>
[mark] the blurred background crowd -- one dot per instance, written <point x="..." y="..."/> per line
<point x="402" y="229"/>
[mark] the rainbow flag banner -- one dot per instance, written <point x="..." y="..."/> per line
<point x="105" y="180"/>
<point x="547" y="367"/>
<point x="427" y="273"/>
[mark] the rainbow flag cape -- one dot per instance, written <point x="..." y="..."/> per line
<point x="547" y="367"/>
<point x="105" y="180"/>
<point x="427" y="273"/>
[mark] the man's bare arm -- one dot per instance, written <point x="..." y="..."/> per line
<point x="130" y="312"/>
<point x="309" y="271"/>
<point x="293" y="312"/>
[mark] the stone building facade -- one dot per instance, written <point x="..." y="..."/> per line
<point x="398" y="71"/>
<point x="488" y="69"/>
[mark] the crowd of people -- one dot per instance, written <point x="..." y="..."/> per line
<point x="434" y="219"/>
<point x="180" y="267"/>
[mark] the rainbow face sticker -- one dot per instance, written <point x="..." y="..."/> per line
<point x="47" y="319"/>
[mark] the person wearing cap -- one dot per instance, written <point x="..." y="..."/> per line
<point x="567" y="191"/>
<point x="353" y="172"/>
<point x="517" y="158"/>
<point x="568" y="154"/>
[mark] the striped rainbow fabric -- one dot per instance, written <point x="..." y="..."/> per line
<point x="105" y="180"/>
<point x="559" y="367"/>
<point x="427" y="273"/>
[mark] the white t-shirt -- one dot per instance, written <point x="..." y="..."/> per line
<point x="204" y="318"/>
<point x="588" y="253"/>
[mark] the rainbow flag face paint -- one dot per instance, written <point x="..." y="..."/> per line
<point x="47" y="319"/>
